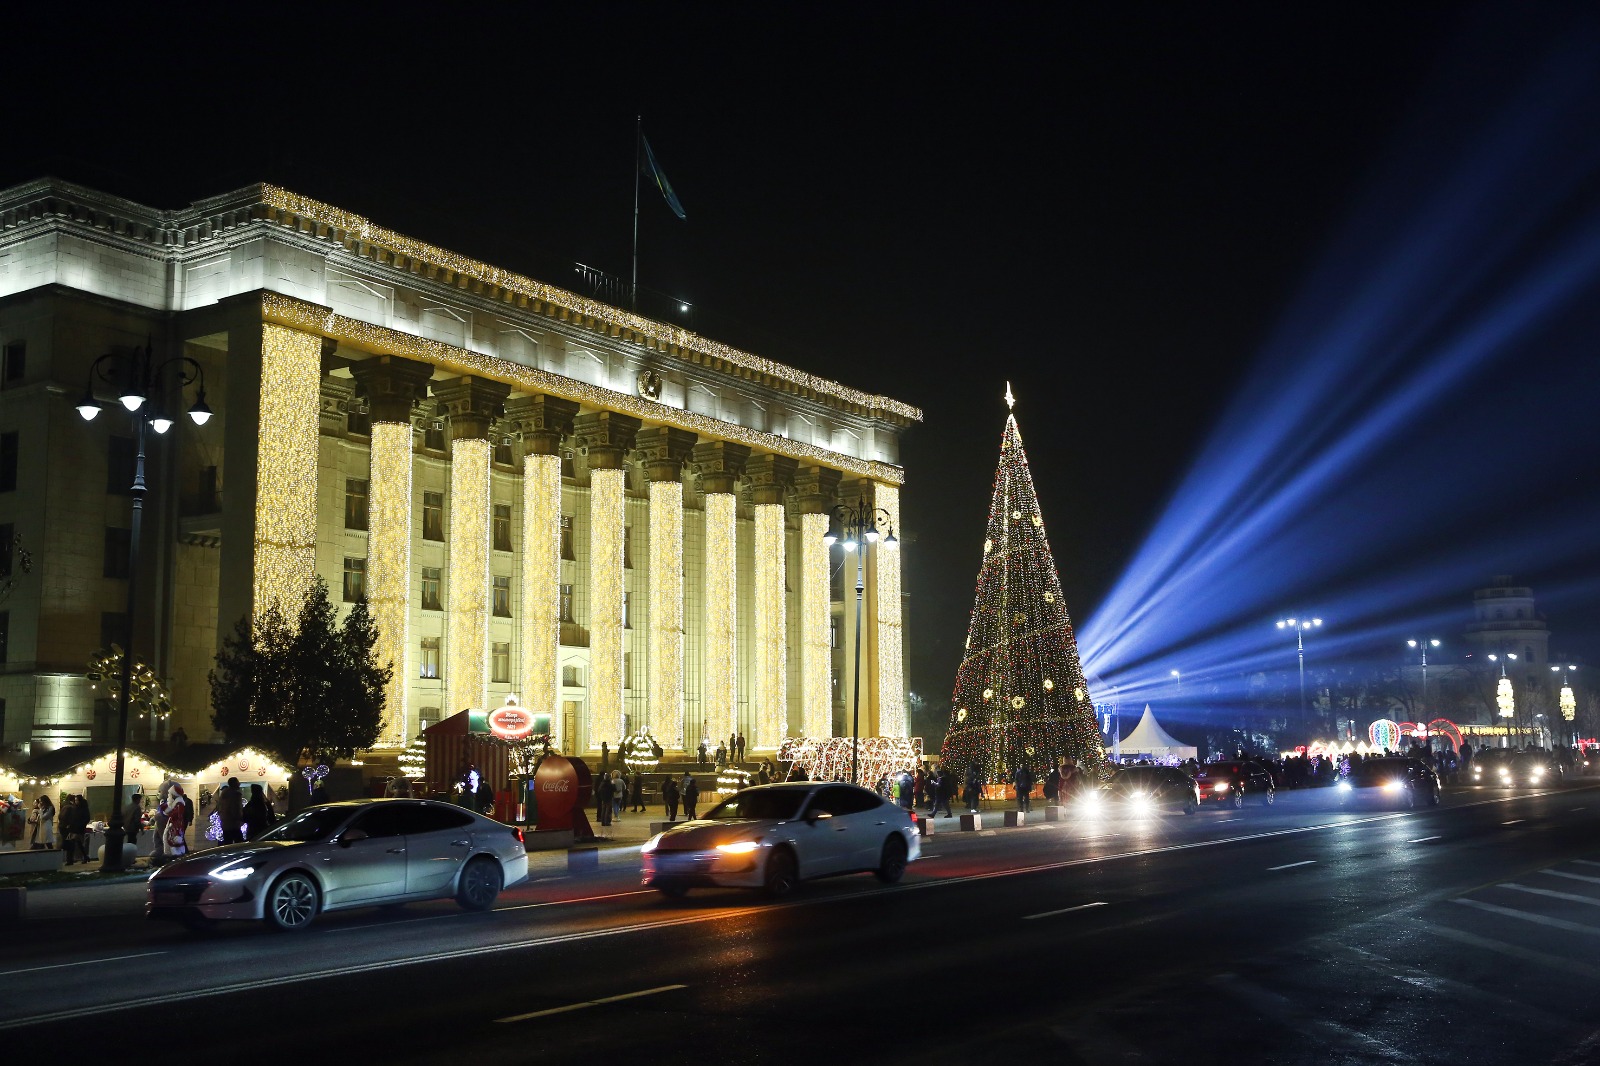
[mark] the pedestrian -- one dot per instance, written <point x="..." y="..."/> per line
<point x="637" y="791"/>
<point x="230" y="811"/>
<point x="919" y="786"/>
<point x="43" y="823"/>
<point x="740" y="757"/>
<point x="71" y="836"/>
<point x="133" y="821"/>
<point x="257" y="813"/>
<point x="172" y="844"/>
<point x="722" y="756"/>
<point x="669" y="796"/>
<point x="733" y="745"/>
<point x="619" y="792"/>
<point x="1022" y="780"/>
<point x="1052" y="785"/>
<point x="942" y="793"/>
<point x="702" y="750"/>
<point x="605" y="757"/>
<point x="691" y="796"/>
<point x="603" y="795"/>
<point x="974" y="789"/>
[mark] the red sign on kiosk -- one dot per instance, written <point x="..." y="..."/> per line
<point x="510" y="722"/>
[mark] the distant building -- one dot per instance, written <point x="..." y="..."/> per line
<point x="614" y="518"/>
<point x="1505" y="622"/>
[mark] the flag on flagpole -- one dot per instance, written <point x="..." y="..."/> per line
<point x="653" y="171"/>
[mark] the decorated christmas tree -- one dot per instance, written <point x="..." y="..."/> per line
<point x="1020" y="696"/>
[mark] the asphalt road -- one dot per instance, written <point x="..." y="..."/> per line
<point x="1298" y="933"/>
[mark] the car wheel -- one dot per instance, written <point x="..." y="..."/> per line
<point x="673" y="891"/>
<point x="291" y="902"/>
<point x="1236" y="801"/>
<point x="782" y="874"/>
<point x="1190" y="806"/>
<point x="1433" y="796"/>
<point x="1411" y="799"/>
<point x="892" y="866"/>
<point x="1269" y="797"/>
<point x="480" y="884"/>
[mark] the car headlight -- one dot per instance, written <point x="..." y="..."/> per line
<point x="1089" y="800"/>
<point x="1343" y="786"/>
<point x="1141" y="801"/>
<point x="1393" y="786"/>
<point x="233" y="873"/>
<point x="1506" y="774"/>
<point x="1221" y="786"/>
<point x="650" y="845"/>
<point x="1537" y="771"/>
<point x="1477" y="771"/>
<point x="739" y="847"/>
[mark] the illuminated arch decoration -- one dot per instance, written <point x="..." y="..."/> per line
<point x="1444" y="727"/>
<point x="1384" y="733"/>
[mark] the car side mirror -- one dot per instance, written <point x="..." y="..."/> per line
<point x="813" y="817"/>
<point x="350" y="836"/>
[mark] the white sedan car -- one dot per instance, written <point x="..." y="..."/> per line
<point x="773" y="836"/>
<point x="338" y="855"/>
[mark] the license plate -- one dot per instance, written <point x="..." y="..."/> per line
<point x="167" y="898"/>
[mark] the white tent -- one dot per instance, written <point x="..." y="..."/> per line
<point x="1148" y="738"/>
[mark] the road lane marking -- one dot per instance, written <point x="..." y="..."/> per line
<point x="590" y="1003"/>
<point x="1580" y="808"/>
<point x="1292" y="865"/>
<point x="1537" y="919"/>
<point x="1063" y="910"/>
<point x="1286" y="1013"/>
<point x="86" y="962"/>
<point x="1575" y="877"/>
<point x="495" y="910"/>
<point x="1567" y="896"/>
<point x="1517" y="951"/>
<point x="1424" y="840"/>
<point x="584" y="899"/>
<point x="1584" y="862"/>
<point x="1514" y="821"/>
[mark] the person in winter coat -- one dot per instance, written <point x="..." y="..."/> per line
<point x="172" y="844"/>
<point x="257" y="813"/>
<point x="974" y="790"/>
<point x="42" y="824"/>
<point x="230" y="812"/>
<point x="636" y="791"/>
<point x="691" y="796"/>
<point x="603" y="794"/>
<point x="1022" y="781"/>
<point x="133" y="820"/>
<point x="669" y="797"/>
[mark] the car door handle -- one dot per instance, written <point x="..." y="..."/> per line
<point x="397" y="851"/>
<point x="461" y="843"/>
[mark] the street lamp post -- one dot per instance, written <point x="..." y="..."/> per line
<point x="141" y="385"/>
<point x="1300" y="625"/>
<point x="857" y="526"/>
<point x="1423" y="646"/>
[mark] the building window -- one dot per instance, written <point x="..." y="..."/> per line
<point x="433" y="516"/>
<point x="427" y="716"/>
<point x="8" y="533"/>
<point x="502" y="527"/>
<point x="433" y="436"/>
<point x="430" y="656"/>
<point x="627" y="547"/>
<point x="627" y="610"/>
<point x="430" y="588"/>
<point x="833" y="633"/>
<point x="357" y="420"/>
<point x="355" y="580"/>
<point x="572" y="676"/>
<point x="565" y="604"/>
<point x="5" y="635"/>
<point x="355" y="504"/>
<point x="627" y="669"/>
<point x="8" y="462"/>
<point x="502" y="452"/>
<point x="502" y="597"/>
<point x="500" y="663"/>
<point x="116" y="557"/>
<point x="566" y="538"/>
<point x="113" y="629"/>
<point x="566" y="466"/>
<point x="16" y="361"/>
<point x="121" y="458"/>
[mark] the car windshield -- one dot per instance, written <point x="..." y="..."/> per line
<point x="778" y="803"/>
<point x="1380" y="770"/>
<point x="1488" y="758"/>
<point x="315" y="824"/>
<point x="1219" y="769"/>
<point x="1135" y="780"/>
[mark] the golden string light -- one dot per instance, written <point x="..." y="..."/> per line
<point x="365" y="335"/>
<point x="364" y="230"/>
<point x="665" y="648"/>
<point x="606" y="521"/>
<point x="286" y="468"/>
<point x="721" y="610"/>
<point x="771" y="636"/>
<point x="389" y="567"/>
<point x="891" y="695"/>
<point x="540" y="623"/>
<point x="468" y="632"/>
<point x="816" y="655"/>
<point x="828" y="758"/>
<point x="1504" y="699"/>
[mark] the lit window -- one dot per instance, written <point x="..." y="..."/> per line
<point x="565" y="603"/>
<point x="500" y="660"/>
<point x="502" y="527"/>
<point x="430" y="656"/>
<point x="566" y="538"/>
<point x="430" y="588"/>
<point x="355" y="580"/>
<point x="433" y="516"/>
<point x="502" y="597"/>
<point x="355" y="504"/>
<point x="627" y="610"/>
<point x="572" y="677"/>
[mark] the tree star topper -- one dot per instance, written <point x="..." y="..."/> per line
<point x="1011" y="401"/>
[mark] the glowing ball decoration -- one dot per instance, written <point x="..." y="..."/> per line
<point x="1384" y="733"/>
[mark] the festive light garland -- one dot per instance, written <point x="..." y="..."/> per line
<point x="771" y="640"/>
<point x="1384" y="734"/>
<point x="146" y="692"/>
<point x="721" y="613"/>
<point x="389" y="567"/>
<point x="606" y="523"/>
<point x="540" y="624"/>
<point x="827" y="758"/>
<point x="665" y="647"/>
<point x="1569" y="703"/>
<point x="730" y="781"/>
<point x="286" y="468"/>
<point x="889" y="663"/>
<point x="469" y="574"/>
<point x="1504" y="699"/>
<point x="816" y="655"/>
<point x="1020" y="694"/>
<point x="414" y="759"/>
<point x="638" y="750"/>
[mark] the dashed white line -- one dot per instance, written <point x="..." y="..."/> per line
<point x="590" y="1003"/>
<point x="1514" y="821"/>
<point x="1537" y="919"/>
<point x="1424" y="840"/>
<point x="1568" y="897"/>
<point x="1292" y="865"/>
<point x="1574" y="877"/>
<point x="86" y="962"/>
<point x="1063" y="910"/>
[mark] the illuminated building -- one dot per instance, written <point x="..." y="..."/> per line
<point x="538" y="493"/>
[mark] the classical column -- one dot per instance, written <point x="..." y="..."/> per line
<point x="815" y="488"/>
<point x="770" y="477"/>
<point x="720" y="465"/>
<point x="888" y="684"/>
<point x="391" y="386"/>
<point x="286" y="469"/>
<point x="605" y="437"/>
<point x="472" y="404"/>
<point x="544" y="421"/>
<point x="664" y="451"/>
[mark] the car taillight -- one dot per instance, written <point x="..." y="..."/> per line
<point x="913" y="817"/>
<point x="517" y="829"/>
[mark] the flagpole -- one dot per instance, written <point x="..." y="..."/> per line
<point x="638" y="139"/>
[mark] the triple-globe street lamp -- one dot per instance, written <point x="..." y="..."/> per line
<point x="1300" y="625"/>
<point x="1423" y="646"/>
<point x="142" y="386"/>
<point x="855" y="525"/>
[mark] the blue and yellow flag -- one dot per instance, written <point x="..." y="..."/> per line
<point x="654" y="172"/>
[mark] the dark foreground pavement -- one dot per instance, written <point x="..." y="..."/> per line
<point x="1291" y="934"/>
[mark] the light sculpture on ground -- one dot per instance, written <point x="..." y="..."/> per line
<point x="1020" y="694"/>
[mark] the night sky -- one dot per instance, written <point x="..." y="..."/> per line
<point x="1111" y="206"/>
